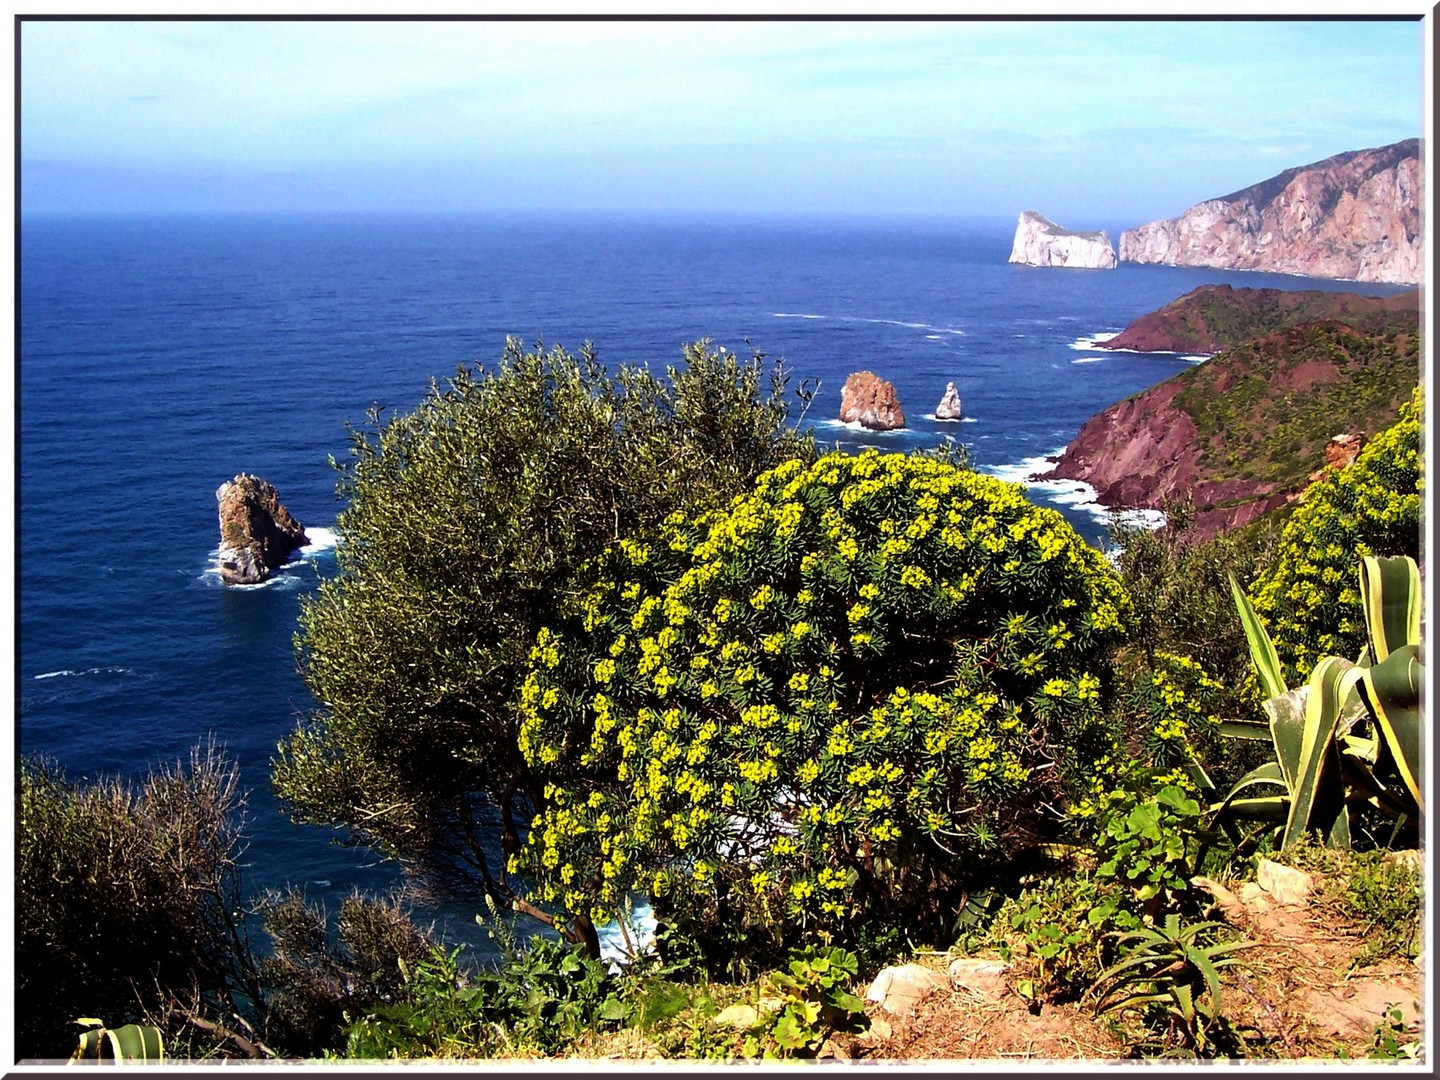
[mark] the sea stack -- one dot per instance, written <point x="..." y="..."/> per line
<point x="1040" y="242"/>
<point x="1354" y="216"/>
<point x="949" y="407"/>
<point x="257" y="533"/>
<point x="871" y="402"/>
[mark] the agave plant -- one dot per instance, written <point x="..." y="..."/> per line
<point x="1169" y="965"/>
<point x="1352" y="735"/>
<point x="131" y="1042"/>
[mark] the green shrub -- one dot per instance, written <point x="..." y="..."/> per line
<point x="466" y="520"/>
<point x="1309" y="597"/>
<point x="827" y="705"/>
<point x="1061" y="923"/>
<point x="537" y="1000"/>
<point x="316" y="979"/>
<point x="127" y="900"/>
<point x="815" y="1000"/>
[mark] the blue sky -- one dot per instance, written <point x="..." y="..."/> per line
<point x="1093" y="124"/>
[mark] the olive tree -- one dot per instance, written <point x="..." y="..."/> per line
<point x="466" y="521"/>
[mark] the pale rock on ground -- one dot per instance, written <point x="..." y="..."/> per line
<point x="901" y="988"/>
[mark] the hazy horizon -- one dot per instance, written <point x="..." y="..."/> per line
<point x="1093" y="124"/>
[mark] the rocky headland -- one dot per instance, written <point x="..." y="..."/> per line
<point x="871" y="402"/>
<point x="1216" y="317"/>
<point x="1354" y="216"/>
<point x="1243" y="433"/>
<point x="1040" y="242"/>
<point x="257" y="533"/>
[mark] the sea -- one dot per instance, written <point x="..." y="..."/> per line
<point x="159" y="356"/>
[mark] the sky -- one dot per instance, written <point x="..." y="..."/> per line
<point x="1091" y="123"/>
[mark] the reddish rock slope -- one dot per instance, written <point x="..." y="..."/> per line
<point x="1215" y="317"/>
<point x="1241" y="433"/>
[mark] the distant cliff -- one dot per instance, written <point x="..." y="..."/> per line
<point x="1215" y="317"/>
<point x="1354" y="216"/>
<point x="1040" y="242"/>
<point x="1240" y="434"/>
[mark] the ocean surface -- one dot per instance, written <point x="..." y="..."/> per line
<point x="161" y="356"/>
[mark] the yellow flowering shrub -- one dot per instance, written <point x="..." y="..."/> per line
<point x="879" y="672"/>
<point x="1310" y="597"/>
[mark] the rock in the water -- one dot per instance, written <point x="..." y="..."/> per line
<point x="1040" y="242"/>
<point x="1354" y="216"/>
<point x="899" y="989"/>
<point x="257" y="533"/>
<point x="870" y="401"/>
<point x="949" y="407"/>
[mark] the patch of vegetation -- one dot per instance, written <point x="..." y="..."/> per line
<point x="1215" y="317"/>
<point x="464" y="525"/>
<point x="1381" y="892"/>
<point x="1259" y="417"/>
<point x="1308" y="597"/>
<point x="127" y="901"/>
<point x="830" y="705"/>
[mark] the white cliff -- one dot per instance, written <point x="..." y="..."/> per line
<point x="1040" y="242"/>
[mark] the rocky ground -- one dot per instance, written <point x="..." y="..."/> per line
<point x="1299" y="996"/>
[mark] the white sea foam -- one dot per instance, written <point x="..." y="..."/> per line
<point x="1072" y="494"/>
<point x="918" y="326"/>
<point x="1085" y="344"/>
<point x="69" y="673"/>
<point x="321" y="539"/>
<point x="1197" y="358"/>
<point x="933" y="337"/>
<point x="1087" y="360"/>
<point x="641" y="929"/>
<point x="940" y="419"/>
<point x="856" y="426"/>
<point x="937" y="331"/>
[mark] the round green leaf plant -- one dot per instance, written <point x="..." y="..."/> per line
<point x="829" y="702"/>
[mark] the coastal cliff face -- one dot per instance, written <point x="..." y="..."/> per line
<point x="1040" y="242"/>
<point x="1241" y="434"/>
<point x="1216" y="317"/>
<point x="1354" y="216"/>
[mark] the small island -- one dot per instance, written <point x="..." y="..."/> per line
<point x="1040" y="242"/>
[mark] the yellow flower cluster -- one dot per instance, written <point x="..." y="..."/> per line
<point x="727" y="744"/>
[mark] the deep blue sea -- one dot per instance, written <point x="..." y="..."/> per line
<point x="161" y="356"/>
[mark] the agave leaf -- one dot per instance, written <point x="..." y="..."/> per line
<point x="1391" y="689"/>
<point x="1262" y="650"/>
<point x="1245" y="729"/>
<point x="137" y="1042"/>
<point x="1275" y="808"/>
<point x="1390" y="594"/>
<point x="1316" y="796"/>
<point x="89" y="1048"/>
<point x="1287" y="730"/>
